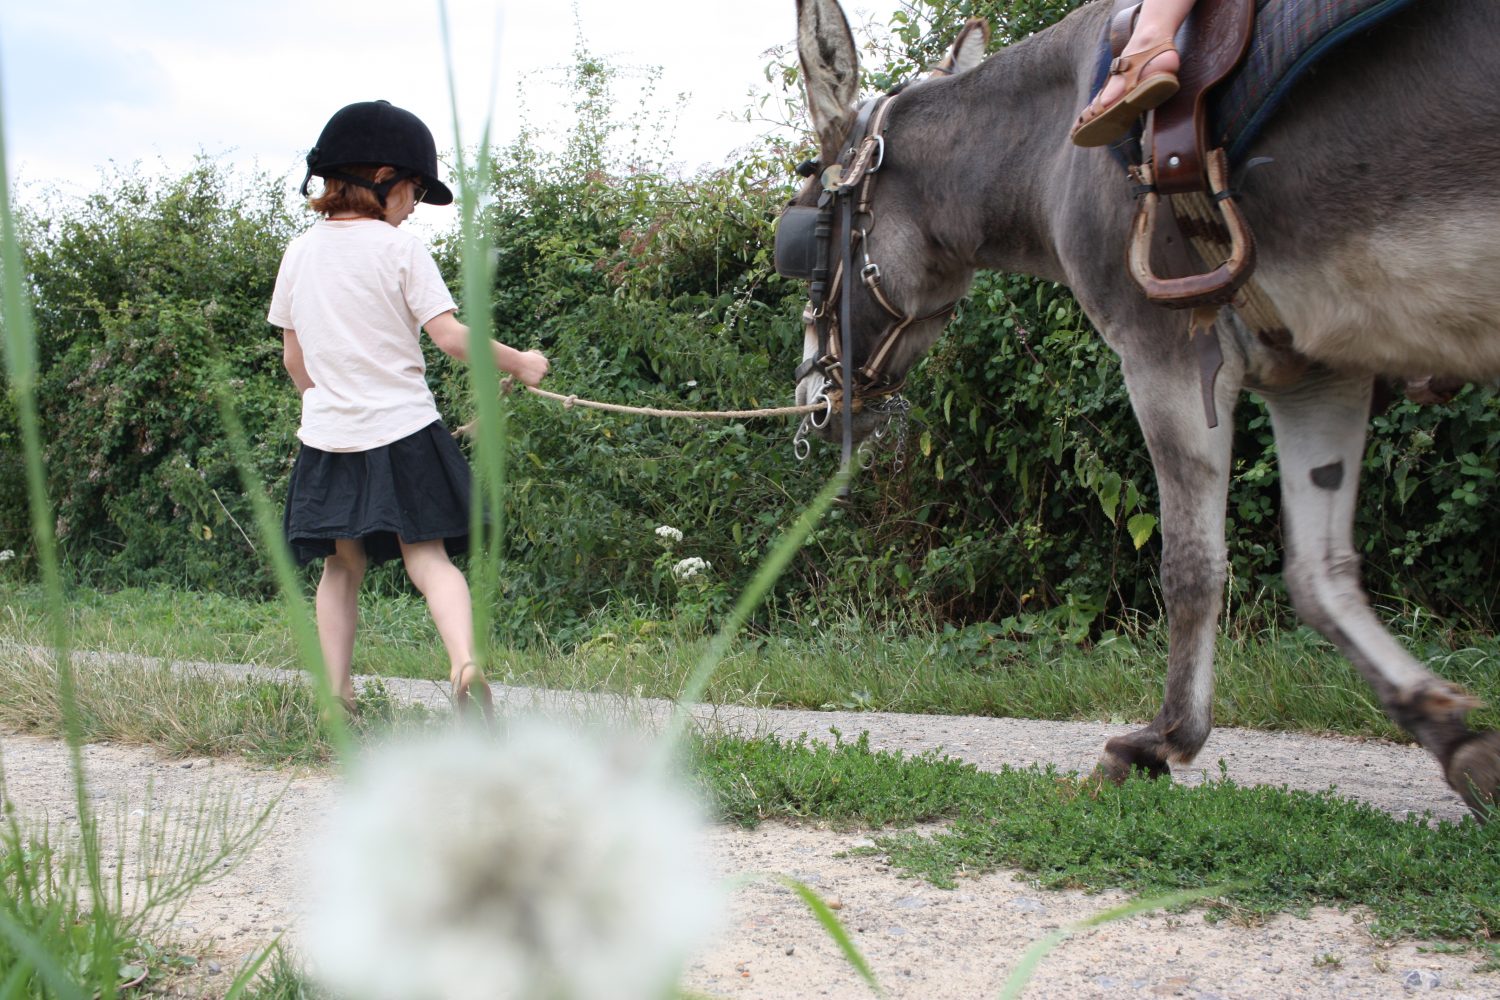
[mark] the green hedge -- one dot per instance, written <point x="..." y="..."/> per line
<point x="1026" y="498"/>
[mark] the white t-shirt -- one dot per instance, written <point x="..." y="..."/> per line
<point x="358" y="291"/>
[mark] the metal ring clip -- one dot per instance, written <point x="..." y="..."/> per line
<point x="820" y="419"/>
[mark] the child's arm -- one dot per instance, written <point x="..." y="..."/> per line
<point x="452" y="338"/>
<point x="291" y="356"/>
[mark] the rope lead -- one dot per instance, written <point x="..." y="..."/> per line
<point x="570" y="401"/>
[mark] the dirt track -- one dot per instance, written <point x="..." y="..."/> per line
<point x="922" y="942"/>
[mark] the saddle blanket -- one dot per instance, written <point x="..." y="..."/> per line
<point x="1288" y="39"/>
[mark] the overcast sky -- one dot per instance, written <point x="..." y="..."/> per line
<point x="90" y="82"/>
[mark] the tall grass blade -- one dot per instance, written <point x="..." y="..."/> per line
<point x="770" y="570"/>
<point x="487" y="508"/>
<point x="57" y="981"/>
<point x="14" y="986"/>
<point x="1027" y="966"/>
<point x="247" y="974"/>
<point x="832" y="925"/>
<point x="21" y="365"/>
<point x="304" y="629"/>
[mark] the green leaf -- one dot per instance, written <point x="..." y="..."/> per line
<point x="1140" y="527"/>
<point x="1108" y="492"/>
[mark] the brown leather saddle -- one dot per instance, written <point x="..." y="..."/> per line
<point x="1195" y="179"/>
<point x="1212" y="42"/>
<point x="1181" y="166"/>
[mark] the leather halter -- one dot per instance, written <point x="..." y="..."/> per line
<point x="847" y="187"/>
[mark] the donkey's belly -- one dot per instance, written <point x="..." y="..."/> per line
<point x="1413" y="296"/>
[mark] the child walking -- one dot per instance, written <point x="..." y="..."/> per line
<point x="377" y="475"/>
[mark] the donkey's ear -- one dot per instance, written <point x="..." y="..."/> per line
<point x="968" y="49"/>
<point x="830" y="68"/>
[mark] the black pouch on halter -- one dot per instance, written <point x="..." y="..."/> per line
<point x="796" y="247"/>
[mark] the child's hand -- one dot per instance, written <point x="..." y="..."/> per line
<point x="530" y="367"/>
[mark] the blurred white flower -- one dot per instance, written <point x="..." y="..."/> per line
<point x="668" y="535"/>
<point x="686" y="569"/>
<point x="539" y="866"/>
<point x="7" y="555"/>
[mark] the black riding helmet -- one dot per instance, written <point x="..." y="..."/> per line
<point x="378" y="133"/>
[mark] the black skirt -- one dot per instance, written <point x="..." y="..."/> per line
<point x="415" y="490"/>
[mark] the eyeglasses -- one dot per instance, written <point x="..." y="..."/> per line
<point x="418" y="191"/>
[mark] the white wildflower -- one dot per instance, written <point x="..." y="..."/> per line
<point x="540" y="866"/>
<point x="7" y="555"/>
<point x="668" y="535"/>
<point x="685" y="569"/>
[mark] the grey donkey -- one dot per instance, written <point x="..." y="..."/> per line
<point x="1378" y="224"/>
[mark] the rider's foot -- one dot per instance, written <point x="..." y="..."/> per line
<point x="1129" y="92"/>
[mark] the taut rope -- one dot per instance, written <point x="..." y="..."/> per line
<point x="569" y="402"/>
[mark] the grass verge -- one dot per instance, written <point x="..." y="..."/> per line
<point x="186" y="712"/>
<point x="1286" y="850"/>
<point x="1267" y="677"/>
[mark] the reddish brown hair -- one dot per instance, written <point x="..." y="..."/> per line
<point x="341" y="196"/>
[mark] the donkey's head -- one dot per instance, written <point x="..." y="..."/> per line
<point x="883" y="278"/>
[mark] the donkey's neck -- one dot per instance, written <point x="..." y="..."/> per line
<point x="1003" y="127"/>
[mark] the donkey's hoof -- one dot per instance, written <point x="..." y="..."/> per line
<point x="1122" y="759"/>
<point x="1474" y="772"/>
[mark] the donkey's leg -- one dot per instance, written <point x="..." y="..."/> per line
<point x="1320" y="434"/>
<point x="1192" y="464"/>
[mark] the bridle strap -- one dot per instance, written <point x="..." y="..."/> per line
<point x="847" y="189"/>
<point x="846" y="327"/>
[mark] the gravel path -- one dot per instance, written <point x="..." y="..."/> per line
<point x="922" y="942"/>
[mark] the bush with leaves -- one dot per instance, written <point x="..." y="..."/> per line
<point x="1026" y="499"/>
<point x="149" y="294"/>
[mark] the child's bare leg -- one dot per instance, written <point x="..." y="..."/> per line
<point x="447" y="593"/>
<point x="338" y="612"/>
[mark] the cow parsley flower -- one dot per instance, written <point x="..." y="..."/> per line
<point x="668" y="535"/>
<point x="542" y="866"/>
<point x="7" y="555"/>
<point x="686" y="569"/>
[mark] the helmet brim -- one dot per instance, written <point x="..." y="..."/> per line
<point x="438" y="193"/>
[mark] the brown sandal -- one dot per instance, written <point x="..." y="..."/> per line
<point x="1100" y="125"/>
<point x="470" y="686"/>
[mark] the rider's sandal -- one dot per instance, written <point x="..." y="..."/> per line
<point x="1100" y="125"/>
<point x="470" y="686"/>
